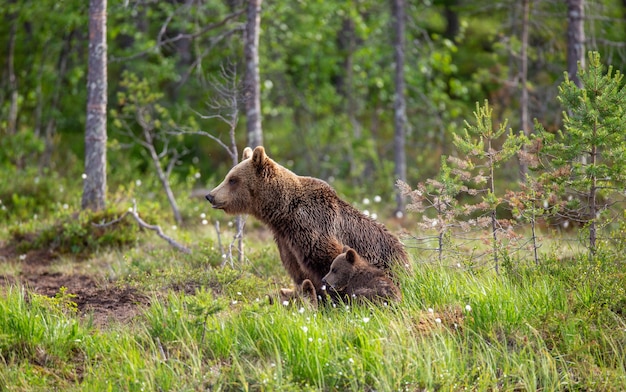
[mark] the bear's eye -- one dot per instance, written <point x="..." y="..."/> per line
<point x="232" y="181"/>
<point x="334" y="270"/>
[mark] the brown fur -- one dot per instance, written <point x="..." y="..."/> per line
<point x="305" y="295"/>
<point x="310" y="223"/>
<point x="352" y="277"/>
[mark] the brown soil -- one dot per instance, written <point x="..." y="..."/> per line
<point x="101" y="301"/>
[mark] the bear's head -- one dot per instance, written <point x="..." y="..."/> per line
<point x="235" y="195"/>
<point x="342" y="270"/>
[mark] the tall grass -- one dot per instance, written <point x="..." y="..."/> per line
<point x="453" y="330"/>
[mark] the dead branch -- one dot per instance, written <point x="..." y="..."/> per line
<point x="190" y="36"/>
<point x="156" y="228"/>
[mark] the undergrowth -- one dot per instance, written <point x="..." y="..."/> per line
<point x="454" y="330"/>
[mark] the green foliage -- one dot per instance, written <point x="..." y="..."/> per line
<point x="596" y="286"/>
<point x="585" y="165"/>
<point x="30" y="193"/>
<point x="16" y="151"/>
<point x="62" y="302"/>
<point x="78" y="233"/>
<point x="39" y="330"/>
<point x="478" y="143"/>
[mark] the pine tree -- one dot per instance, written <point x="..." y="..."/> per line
<point x="585" y="164"/>
<point x="478" y="143"/>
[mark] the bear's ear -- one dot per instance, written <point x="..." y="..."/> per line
<point x="258" y="156"/>
<point x="351" y="256"/>
<point x="345" y="249"/>
<point x="247" y="153"/>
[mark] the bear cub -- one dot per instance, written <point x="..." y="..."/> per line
<point x="351" y="277"/>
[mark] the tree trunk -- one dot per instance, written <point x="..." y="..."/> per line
<point x="453" y="25"/>
<point x="593" y="193"/>
<point x="94" y="186"/>
<point x="252" y="92"/>
<point x="524" y="119"/>
<point x="575" y="38"/>
<point x="13" y="108"/>
<point x="398" y="11"/>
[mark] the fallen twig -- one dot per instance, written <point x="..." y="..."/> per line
<point x="142" y="223"/>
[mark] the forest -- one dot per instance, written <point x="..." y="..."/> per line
<point x="488" y="136"/>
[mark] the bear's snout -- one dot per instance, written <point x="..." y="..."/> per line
<point x="210" y="198"/>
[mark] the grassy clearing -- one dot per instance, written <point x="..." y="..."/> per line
<point x="206" y="325"/>
<point x="212" y="327"/>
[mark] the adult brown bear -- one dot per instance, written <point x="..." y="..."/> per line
<point x="310" y="223"/>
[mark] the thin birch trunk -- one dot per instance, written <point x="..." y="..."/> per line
<point x="398" y="10"/>
<point x="94" y="187"/>
<point x="252" y="91"/>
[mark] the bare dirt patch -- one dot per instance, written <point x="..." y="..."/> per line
<point x="103" y="302"/>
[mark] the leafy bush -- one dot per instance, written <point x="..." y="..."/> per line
<point x="78" y="233"/>
<point x="25" y="194"/>
<point x="20" y="149"/>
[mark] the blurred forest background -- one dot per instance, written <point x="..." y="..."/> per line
<point x="327" y="82"/>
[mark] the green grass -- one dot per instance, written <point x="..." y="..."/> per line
<point x="533" y="332"/>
